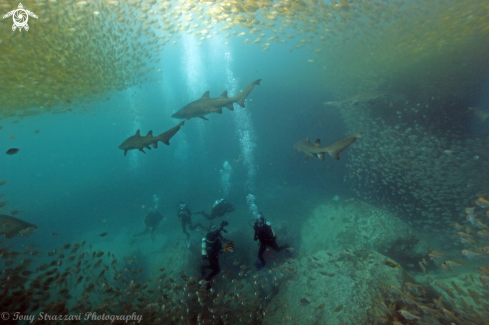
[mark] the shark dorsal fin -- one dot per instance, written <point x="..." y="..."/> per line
<point x="150" y="134"/>
<point x="205" y="95"/>
<point x="317" y="143"/>
<point x="224" y="94"/>
<point x="137" y="133"/>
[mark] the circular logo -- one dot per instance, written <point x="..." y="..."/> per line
<point x="5" y="315"/>
<point x="20" y="18"/>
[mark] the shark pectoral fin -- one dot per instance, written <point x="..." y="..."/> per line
<point x="320" y="155"/>
<point x="125" y="152"/>
<point x="224" y="94"/>
<point x="150" y="134"/>
<point x="204" y="118"/>
<point x="205" y="95"/>
<point x="317" y="143"/>
<point x="230" y="106"/>
<point x="155" y="144"/>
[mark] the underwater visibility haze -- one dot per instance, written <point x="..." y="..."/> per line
<point x="244" y="162"/>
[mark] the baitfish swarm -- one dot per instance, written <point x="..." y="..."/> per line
<point x="80" y="51"/>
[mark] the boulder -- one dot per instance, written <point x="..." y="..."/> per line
<point x="357" y="225"/>
<point x="333" y="288"/>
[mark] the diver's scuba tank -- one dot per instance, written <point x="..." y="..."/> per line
<point x="204" y="248"/>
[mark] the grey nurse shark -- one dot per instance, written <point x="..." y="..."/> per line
<point x="315" y="149"/>
<point x="206" y="105"/>
<point x="140" y="142"/>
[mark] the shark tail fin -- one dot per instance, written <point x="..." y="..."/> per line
<point x="240" y="101"/>
<point x="339" y="146"/>
<point x="335" y="154"/>
<point x="241" y="96"/>
<point x="166" y="136"/>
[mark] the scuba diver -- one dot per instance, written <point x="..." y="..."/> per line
<point x="211" y="247"/>
<point x="219" y="209"/>
<point x="151" y="222"/>
<point x="266" y="236"/>
<point x="185" y="216"/>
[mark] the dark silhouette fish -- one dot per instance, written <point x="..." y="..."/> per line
<point x="138" y="142"/>
<point x="12" y="151"/>
<point x="11" y="226"/>
<point x="206" y="105"/>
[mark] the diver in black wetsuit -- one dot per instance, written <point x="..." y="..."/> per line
<point x="211" y="247"/>
<point x="185" y="216"/>
<point x="151" y="222"/>
<point x="265" y="234"/>
<point x="219" y="209"/>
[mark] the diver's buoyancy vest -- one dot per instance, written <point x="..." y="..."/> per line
<point x="266" y="233"/>
<point x="213" y="241"/>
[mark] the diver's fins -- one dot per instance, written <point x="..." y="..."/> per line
<point x="259" y="266"/>
<point x="188" y="242"/>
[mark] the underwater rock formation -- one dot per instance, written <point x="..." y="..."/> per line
<point x="333" y="288"/>
<point x="357" y="225"/>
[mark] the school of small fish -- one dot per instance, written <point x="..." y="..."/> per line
<point x="464" y="300"/>
<point x="75" y="278"/>
<point x="78" y="52"/>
